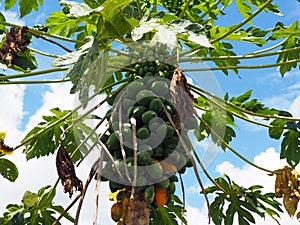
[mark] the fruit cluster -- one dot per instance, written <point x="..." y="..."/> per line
<point x="140" y="123"/>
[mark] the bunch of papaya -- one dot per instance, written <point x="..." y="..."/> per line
<point x="159" y="152"/>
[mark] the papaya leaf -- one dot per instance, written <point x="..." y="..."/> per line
<point x="290" y="147"/>
<point x="8" y="170"/>
<point x="48" y="140"/>
<point x="80" y="70"/>
<point x="276" y="131"/>
<point x="242" y="203"/>
<point x="77" y="10"/>
<point x="26" y="6"/>
<point x="168" y="34"/>
<point x="163" y="217"/>
<point x="242" y="98"/>
<point x="291" y="33"/>
<point x="30" y="199"/>
<point x="223" y="49"/>
<point x="9" y="4"/>
<point x="72" y="57"/>
<point x="36" y="208"/>
<point x="114" y="21"/>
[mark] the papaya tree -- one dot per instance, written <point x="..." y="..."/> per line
<point x="143" y="59"/>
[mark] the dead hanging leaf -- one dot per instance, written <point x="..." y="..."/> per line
<point x="16" y="41"/>
<point x="182" y="97"/>
<point x="5" y="148"/>
<point x="66" y="172"/>
<point x="287" y="185"/>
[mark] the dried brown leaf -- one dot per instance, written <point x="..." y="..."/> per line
<point x="66" y="172"/>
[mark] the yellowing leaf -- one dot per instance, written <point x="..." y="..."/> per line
<point x="2" y="135"/>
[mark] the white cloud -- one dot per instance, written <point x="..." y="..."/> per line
<point x="58" y="96"/>
<point x="11" y="112"/>
<point x="295" y="107"/>
<point x="246" y="176"/>
<point x="13" y="17"/>
<point x="196" y="216"/>
<point x="249" y="175"/>
<point x="36" y="173"/>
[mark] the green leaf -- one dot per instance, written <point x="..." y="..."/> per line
<point x="276" y="131"/>
<point x="216" y="209"/>
<point x="49" y="139"/>
<point x="223" y="49"/>
<point x="93" y="3"/>
<point x="9" y="4"/>
<point x="80" y="73"/>
<point x="8" y="170"/>
<point x="24" y="61"/>
<point x="60" y="210"/>
<point x="290" y="147"/>
<point x="30" y="199"/>
<point x="243" y="8"/>
<point x="72" y="57"/>
<point x="26" y="6"/>
<point x="77" y="10"/>
<point x="214" y="123"/>
<point x="114" y="22"/>
<point x="48" y="217"/>
<point x="230" y="214"/>
<point x="242" y="98"/>
<point x="243" y="202"/>
<point x="163" y="217"/>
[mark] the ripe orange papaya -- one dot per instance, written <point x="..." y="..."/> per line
<point x="161" y="196"/>
<point x="166" y="166"/>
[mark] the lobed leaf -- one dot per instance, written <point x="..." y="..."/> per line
<point x="8" y="170"/>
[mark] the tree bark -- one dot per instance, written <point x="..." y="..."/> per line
<point x="138" y="210"/>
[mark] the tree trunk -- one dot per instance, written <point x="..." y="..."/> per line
<point x="138" y="210"/>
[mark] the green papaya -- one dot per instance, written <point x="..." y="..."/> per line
<point x="149" y="194"/>
<point x="154" y="170"/>
<point x="134" y="88"/>
<point x="143" y="133"/>
<point x="113" y="141"/>
<point x="163" y="184"/>
<point x="156" y="105"/>
<point x="144" y="158"/>
<point x="149" y="115"/>
<point x="144" y="97"/>
<point x="160" y="87"/>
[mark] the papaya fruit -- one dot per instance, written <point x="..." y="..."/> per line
<point x="156" y="105"/>
<point x="165" y="130"/>
<point x="161" y="196"/>
<point x="113" y="141"/>
<point x="138" y="111"/>
<point x="158" y="151"/>
<point x="166" y="166"/>
<point x="116" y="211"/>
<point x="143" y="133"/>
<point x="172" y="188"/>
<point x="163" y="184"/>
<point x="144" y="158"/>
<point x="134" y="88"/>
<point x="148" y="116"/>
<point x="154" y="170"/>
<point x="113" y="186"/>
<point x="160" y="87"/>
<point x="149" y="194"/>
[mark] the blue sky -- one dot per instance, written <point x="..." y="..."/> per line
<point x="25" y="105"/>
